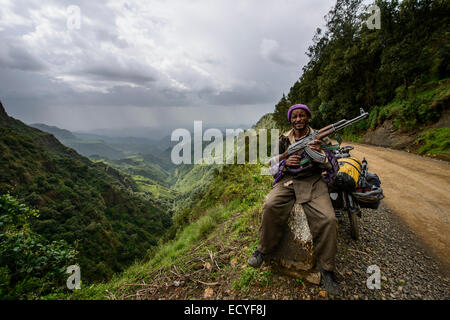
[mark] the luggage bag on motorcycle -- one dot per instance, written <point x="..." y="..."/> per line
<point x="369" y="192"/>
<point x="348" y="175"/>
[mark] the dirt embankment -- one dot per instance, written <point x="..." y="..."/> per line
<point x="387" y="136"/>
<point x="417" y="189"/>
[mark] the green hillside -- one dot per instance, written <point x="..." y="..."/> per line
<point x="149" y="175"/>
<point x="150" y="178"/>
<point x="266" y="122"/>
<point x="90" y="205"/>
<point x="138" y="165"/>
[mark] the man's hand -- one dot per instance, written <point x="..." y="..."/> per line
<point x="293" y="161"/>
<point x="315" y="145"/>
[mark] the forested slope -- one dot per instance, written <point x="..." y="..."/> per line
<point x="90" y="205"/>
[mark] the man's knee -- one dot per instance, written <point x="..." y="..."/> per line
<point x="276" y="212"/>
<point x="273" y="203"/>
<point x="268" y="204"/>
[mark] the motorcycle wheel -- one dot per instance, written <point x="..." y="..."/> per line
<point x="354" y="224"/>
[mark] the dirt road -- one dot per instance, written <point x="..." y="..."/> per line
<point x="417" y="189"/>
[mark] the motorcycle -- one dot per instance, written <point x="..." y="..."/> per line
<point x="348" y="200"/>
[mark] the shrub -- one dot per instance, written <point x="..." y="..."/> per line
<point x="30" y="265"/>
<point x="434" y="141"/>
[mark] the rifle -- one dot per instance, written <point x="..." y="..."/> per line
<point x="320" y="134"/>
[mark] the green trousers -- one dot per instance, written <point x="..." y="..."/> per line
<point x="312" y="193"/>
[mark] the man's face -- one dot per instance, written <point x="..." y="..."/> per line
<point x="299" y="119"/>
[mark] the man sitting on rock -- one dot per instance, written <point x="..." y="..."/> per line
<point x="303" y="183"/>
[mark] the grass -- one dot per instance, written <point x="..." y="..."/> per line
<point x="434" y="142"/>
<point x="247" y="278"/>
<point x="250" y="277"/>
<point x="188" y="238"/>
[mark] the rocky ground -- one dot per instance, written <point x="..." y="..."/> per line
<point x="408" y="269"/>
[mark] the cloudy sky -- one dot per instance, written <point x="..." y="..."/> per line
<point x="151" y="63"/>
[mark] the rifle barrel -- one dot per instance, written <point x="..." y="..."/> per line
<point x="349" y="122"/>
<point x="337" y="124"/>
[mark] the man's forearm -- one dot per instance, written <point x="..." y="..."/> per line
<point x="283" y="156"/>
<point x="278" y="158"/>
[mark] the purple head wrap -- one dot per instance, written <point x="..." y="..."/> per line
<point x="298" y="106"/>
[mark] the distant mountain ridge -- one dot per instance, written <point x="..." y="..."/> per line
<point x="57" y="132"/>
<point x="85" y="147"/>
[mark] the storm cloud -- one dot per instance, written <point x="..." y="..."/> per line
<point x="151" y="63"/>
